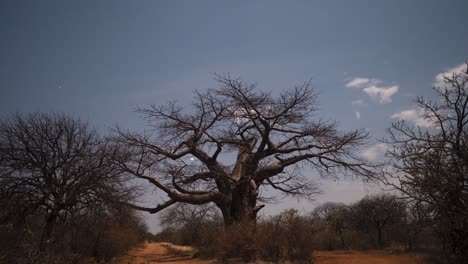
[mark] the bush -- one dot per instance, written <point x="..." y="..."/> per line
<point x="237" y="241"/>
<point x="82" y="239"/>
<point x="286" y="237"/>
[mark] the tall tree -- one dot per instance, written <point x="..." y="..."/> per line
<point x="431" y="164"/>
<point x="54" y="165"/>
<point x="189" y="154"/>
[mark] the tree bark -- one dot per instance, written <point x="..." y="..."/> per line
<point x="242" y="206"/>
<point x="47" y="231"/>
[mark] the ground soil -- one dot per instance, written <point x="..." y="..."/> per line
<point x="366" y="257"/>
<point x="157" y="253"/>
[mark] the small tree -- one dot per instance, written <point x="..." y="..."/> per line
<point x="189" y="219"/>
<point x="376" y="213"/>
<point x="431" y="164"/>
<point x="189" y="154"/>
<point x="336" y="217"/>
<point x="53" y="165"/>
<point x="418" y="217"/>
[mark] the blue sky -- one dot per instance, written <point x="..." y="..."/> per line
<point x="98" y="60"/>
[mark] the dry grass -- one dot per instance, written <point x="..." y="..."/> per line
<point x="366" y="257"/>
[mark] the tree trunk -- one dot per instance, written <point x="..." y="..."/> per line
<point x="379" y="237"/>
<point x="47" y="231"/>
<point x="242" y="206"/>
<point x="459" y="244"/>
<point x="342" y="240"/>
<point x="410" y="245"/>
<point x="96" y="244"/>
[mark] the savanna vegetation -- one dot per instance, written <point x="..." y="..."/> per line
<point x="61" y="194"/>
<point x="70" y="195"/>
<point x="381" y="221"/>
<point x="426" y="167"/>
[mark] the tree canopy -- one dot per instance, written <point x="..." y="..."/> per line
<point x="57" y="165"/>
<point x="235" y="139"/>
<point x="430" y="164"/>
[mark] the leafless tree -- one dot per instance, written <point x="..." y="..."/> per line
<point x="233" y="141"/>
<point x="187" y="215"/>
<point x="419" y="216"/>
<point x="190" y="220"/>
<point x="55" y="166"/>
<point x="336" y="217"/>
<point x="431" y="164"/>
<point x="376" y="213"/>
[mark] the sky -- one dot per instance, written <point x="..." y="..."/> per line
<point x="98" y="60"/>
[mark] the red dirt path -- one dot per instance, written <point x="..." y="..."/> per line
<point x="157" y="253"/>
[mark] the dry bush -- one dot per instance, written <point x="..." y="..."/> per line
<point x="286" y="237"/>
<point x="325" y="240"/>
<point x="292" y="235"/>
<point x="209" y="235"/>
<point x="86" y="239"/>
<point x="169" y="234"/>
<point x="359" y="240"/>
<point x="237" y="241"/>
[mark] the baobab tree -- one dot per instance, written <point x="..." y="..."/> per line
<point x="235" y="140"/>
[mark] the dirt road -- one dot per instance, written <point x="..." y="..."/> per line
<point x="157" y="253"/>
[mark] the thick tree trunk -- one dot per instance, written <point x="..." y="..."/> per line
<point x="242" y="206"/>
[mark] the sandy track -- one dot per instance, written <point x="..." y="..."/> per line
<point x="156" y="253"/>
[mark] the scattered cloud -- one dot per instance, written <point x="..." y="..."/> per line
<point x="374" y="152"/>
<point x="414" y="115"/>
<point x="358" y="115"/>
<point x="358" y="102"/>
<point x="358" y="82"/>
<point x="374" y="89"/>
<point x="382" y="94"/>
<point x="439" y="79"/>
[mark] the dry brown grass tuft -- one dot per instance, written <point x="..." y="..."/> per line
<point x="366" y="257"/>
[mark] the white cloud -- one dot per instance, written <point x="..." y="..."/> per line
<point x="382" y="94"/>
<point x="358" y="82"/>
<point x="415" y="116"/>
<point x="439" y="79"/>
<point x="357" y="102"/>
<point x="358" y="115"/>
<point x="372" y="87"/>
<point x="375" y="151"/>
